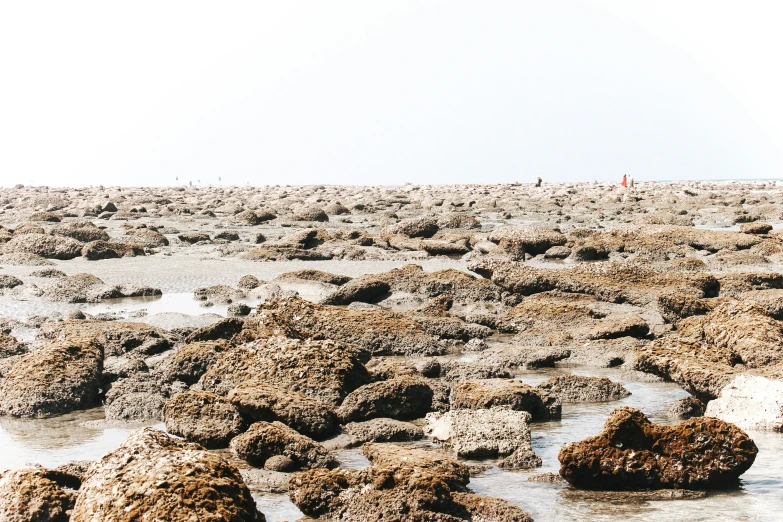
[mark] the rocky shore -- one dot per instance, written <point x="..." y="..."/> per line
<point x="397" y="321"/>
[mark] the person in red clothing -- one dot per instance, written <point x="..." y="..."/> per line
<point x="624" y="182"/>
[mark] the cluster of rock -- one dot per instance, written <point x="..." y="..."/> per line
<point x="280" y="387"/>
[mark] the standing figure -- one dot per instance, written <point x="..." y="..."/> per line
<point x="624" y="182"/>
<point x="538" y="181"/>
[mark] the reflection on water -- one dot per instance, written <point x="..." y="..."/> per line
<point x="57" y="440"/>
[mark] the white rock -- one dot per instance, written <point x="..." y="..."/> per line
<point x="750" y="402"/>
<point x="481" y="433"/>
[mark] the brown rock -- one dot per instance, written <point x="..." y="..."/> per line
<point x="507" y="394"/>
<point x="633" y="453"/>
<point x="323" y="370"/>
<point x="202" y="417"/>
<point x="36" y="494"/>
<point x="402" y="399"/>
<point x="264" y="440"/>
<point x="60" y="377"/>
<point x="152" y="476"/>
<point x="258" y="401"/>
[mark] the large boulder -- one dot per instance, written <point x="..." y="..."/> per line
<point x="44" y="245"/>
<point x="190" y="362"/>
<point x="633" y="453"/>
<point x="380" y="331"/>
<point x="84" y="231"/>
<point x="323" y="370"/>
<point x="744" y="328"/>
<point x="402" y="399"/>
<point x="36" y="495"/>
<point x="401" y="484"/>
<point x="258" y="401"/>
<point x="508" y="394"/>
<point x="116" y="338"/>
<point x="202" y="417"/>
<point x="415" y="227"/>
<point x="264" y="440"/>
<point x="60" y="377"/>
<point x="751" y="402"/>
<point x="152" y="476"/>
<point x="139" y="397"/>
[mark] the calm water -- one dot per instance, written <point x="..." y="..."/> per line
<point x="81" y="436"/>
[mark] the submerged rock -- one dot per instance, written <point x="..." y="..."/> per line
<point x="633" y="453"/>
<point x="152" y="476"/>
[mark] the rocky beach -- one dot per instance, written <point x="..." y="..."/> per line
<point x="413" y="353"/>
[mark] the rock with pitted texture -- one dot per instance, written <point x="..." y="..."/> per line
<point x="633" y="453"/>
<point x="401" y="484"/>
<point x="36" y="495"/>
<point x="44" y="245"/>
<point x="483" y="433"/>
<point x="58" y="378"/>
<point x="152" y="476"/>
<point x="701" y="368"/>
<point x="382" y="430"/>
<point x="576" y="388"/>
<point x="752" y="402"/>
<point x="264" y="440"/>
<point x="379" y="331"/>
<point x="686" y="408"/>
<point x="9" y="346"/>
<point x="190" y="362"/>
<point x="96" y="250"/>
<point x="403" y="399"/>
<point x="257" y="400"/>
<point x="114" y="337"/>
<point x="415" y="227"/>
<point x="509" y="394"/>
<point x="518" y="241"/>
<point x="323" y="370"/>
<point x="202" y="417"/>
<point x="744" y="328"/>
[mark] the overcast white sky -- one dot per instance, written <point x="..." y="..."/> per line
<point x="385" y="92"/>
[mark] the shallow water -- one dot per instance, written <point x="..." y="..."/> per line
<point x="81" y="436"/>
<point x="78" y="436"/>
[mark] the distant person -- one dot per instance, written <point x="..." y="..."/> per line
<point x="630" y="182"/>
<point x="539" y="181"/>
<point x="624" y="182"/>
